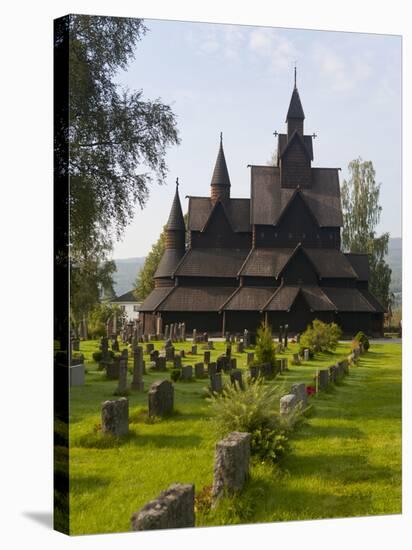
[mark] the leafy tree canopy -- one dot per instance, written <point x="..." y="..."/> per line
<point x="361" y="215"/>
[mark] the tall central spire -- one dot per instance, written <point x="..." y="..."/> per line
<point x="295" y="115"/>
<point x="220" y="184"/>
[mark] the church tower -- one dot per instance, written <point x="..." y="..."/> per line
<point x="220" y="184"/>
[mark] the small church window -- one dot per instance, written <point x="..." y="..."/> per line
<point x="290" y="235"/>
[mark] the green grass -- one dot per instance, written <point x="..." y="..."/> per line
<point x="345" y="460"/>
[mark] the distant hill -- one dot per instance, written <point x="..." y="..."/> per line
<point x="128" y="268"/>
<point x="126" y="273"/>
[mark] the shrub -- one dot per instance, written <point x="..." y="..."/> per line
<point x="97" y="356"/>
<point x="175" y="374"/>
<point x="363" y="339"/>
<point x="320" y="337"/>
<point x="269" y="445"/>
<point x="265" y="347"/>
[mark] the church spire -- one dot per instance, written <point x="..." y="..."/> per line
<point x="175" y="227"/>
<point x="220" y="184"/>
<point x="295" y="115"/>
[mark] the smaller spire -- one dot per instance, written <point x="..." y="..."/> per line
<point x="176" y="221"/>
<point x="220" y="184"/>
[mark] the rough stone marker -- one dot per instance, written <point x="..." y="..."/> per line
<point x="115" y="417"/>
<point x="231" y="467"/>
<point x="161" y="398"/>
<point x="172" y="509"/>
<point x="288" y="403"/>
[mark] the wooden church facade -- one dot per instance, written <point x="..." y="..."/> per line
<point x="273" y="257"/>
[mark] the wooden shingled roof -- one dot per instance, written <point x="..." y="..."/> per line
<point x="251" y="298"/>
<point x="211" y="262"/>
<point x="199" y="298"/>
<point x="269" y="198"/>
<point x="168" y="263"/>
<point x="155" y="298"/>
<point x="348" y="300"/>
<point x="360" y="264"/>
<point x="237" y="212"/>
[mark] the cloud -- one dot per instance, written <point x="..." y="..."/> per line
<point x="343" y="73"/>
<point x="269" y="44"/>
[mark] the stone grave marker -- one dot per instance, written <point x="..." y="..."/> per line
<point x="112" y="368"/>
<point x="122" y="382"/>
<point x="206" y="357"/>
<point x="211" y="368"/>
<point x="216" y="385"/>
<point x="115" y="417"/>
<point x="231" y="468"/>
<point x="194" y="349"/>
<point x="161" y="398"/>
<point x="288" y="404"/>
<point x="254" y="371"/>
<point x="199" y="370"/>
<point x="137" y="380"/>
<point x="323" y="379"/>
<point x="173" y="508"/>
<point x="300" y="391"/>
<point x="187" y="372"/>
<point x="233" y="363"/>
<point x="236" y="378"/>
<point x="250" y="357"/>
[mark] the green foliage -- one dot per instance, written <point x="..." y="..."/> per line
<point x="97" y="356"/>
<point x="245" y="410"/>
<point x="265" y="351"/>
<point x="320" y="336"/>
<point x="361" y="214"/>
<point x="100" y="315"/>
<point x="175" y="374"/>
<point x="144" y="283"/>
<point x="363" y="339"/>
<point x="269" y="445"/>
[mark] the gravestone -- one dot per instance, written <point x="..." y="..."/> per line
<point x="161" y="398"/>
<point x="206" y="357"/>
<point x="236" y="378"/>
<point x="154" y="354"/>
<point x="115" y="417"/>
<point x="228" y="351"/>
<point x="306" y="355"/>
<point x="246" y="338"/>
<point x="221" y="363"/>
<point x="254" y="371"/>
<point x="166" y="332"/>
<point x="296" y="359"/>
<point x="231" y="468"/>
<point x="211" y="368"/>
<point x="267" y="370"/>
<point x="115" y="344"/>
<point x="182" y="353"/>
<point x="170" y="353"/>
<point x="333" y="375"/>
<point x="250" y="357"/>
<point x="77" y="374"/>
<point x="177" y="362"/>
<point x="122" y="383"/>
<point x="210" y="344"/>
<point x="187" y="372"/>
<point x="233" y="363"/>
<point x="199" y="370"/>
<point x="113" y="368"/>
<point x="194" y="335"/>
<point x="205" y="337"/>
<point x="194" y="350"/>
<point x="227" y="337"/>
<point x="216" y="382"/>
<point x="285" y="336"/>
<point x="173" y="508"/>
<point x="161" y="364"/>
<point x="287" y="404"/>
<point x="137" y="380"/>
<point x="300" y="391"/>
<point x="284" y="364"/>
<point x="323" y="379"/>
<point x="239" y="347"/>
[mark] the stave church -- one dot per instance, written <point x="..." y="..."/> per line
<point x="273" y="257"/>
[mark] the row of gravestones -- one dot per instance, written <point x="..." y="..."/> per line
<point x="175" y="507"/>
<point x="176" y="332"/>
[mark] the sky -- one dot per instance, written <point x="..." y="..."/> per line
<point x="238" y="80"/>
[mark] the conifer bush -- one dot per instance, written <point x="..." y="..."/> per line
<point x="363" y="339"/>
<point x="320" y="336"/>
<point x="265" y="351"/>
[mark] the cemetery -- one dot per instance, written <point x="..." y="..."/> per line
<point x="146" y="452"/>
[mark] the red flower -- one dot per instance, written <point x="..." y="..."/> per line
<point x="310" y="390"/>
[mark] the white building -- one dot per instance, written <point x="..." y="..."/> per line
<point x="128" y="304"/>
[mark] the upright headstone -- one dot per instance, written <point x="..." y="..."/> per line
<point x="166" y="335"/>
<point x="285" y="339"/>
<point x="211" y="368"/>
<point x="115" y="417"/>
<point x="231" y="467"/>
<point x="178" y="362"/>
<point x="149" y="347"/>
<point x="122" y="383"/>
<point x="172" y="509"/>
<point x="280" y="339"/>
<point x="246" y="340"/>
<point x="232" y="363"/>
<point x="199" y="370"/>
<point x="194" y="349"/>
<point x="323" y="379"/>
<point x="300" y="391"/>
<point x="236" y="378"/>
<point x="254" y="371"/>
<point x="113" y="368"/>
<point x="161" y="398"/>
<point x="216" y="382"/>
<point x="187" y="372"/>
<point x="288" y="404"/>
<point x="206" y="357"/>
<point x="194" y="335"/>
<point x="306" y="356"/>
<point x="137" y="381"/>
<point x="250" y="357"/>
<point x="240" y="347"/>
<point x="221" y="363"/>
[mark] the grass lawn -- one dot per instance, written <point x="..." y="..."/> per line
<point x="345" y="460"/>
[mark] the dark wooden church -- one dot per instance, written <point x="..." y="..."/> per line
<point x="273" y="257"/>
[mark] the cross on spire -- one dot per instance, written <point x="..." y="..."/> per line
<point x="177" y="182"/>
<point x="221" y="137"/>
<point x="295" y="73"/>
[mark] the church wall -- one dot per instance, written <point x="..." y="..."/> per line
<point x="300" y="271"/>
<point x="220" y="237"/>
<point x="237" y="321"/>
<point x="210" y="322"/>
<point x="295" y="167"/>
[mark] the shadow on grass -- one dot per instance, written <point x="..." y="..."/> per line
<point x="88" y="483"/>
<point x="99" y="440"/>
